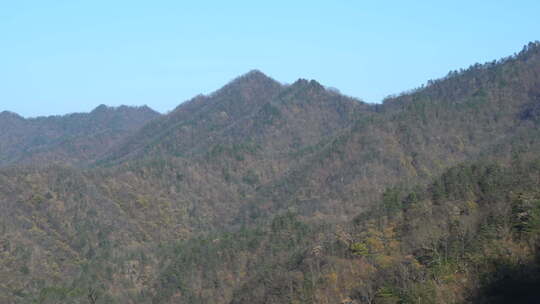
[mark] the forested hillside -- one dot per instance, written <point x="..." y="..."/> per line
<point x="263" y="192"/>
<point x="75" y="139"/>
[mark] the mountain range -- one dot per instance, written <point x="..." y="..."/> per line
<point x="262" y="192"/>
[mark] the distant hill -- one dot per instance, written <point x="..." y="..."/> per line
<point x="75" y="138"/>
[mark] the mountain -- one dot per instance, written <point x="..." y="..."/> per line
<point x="473" y="114"/>
<point x="269" y="193"/>
<point x="252" y="108"/>
<point x="75" y="138"/>
<point x="225" y="146"/>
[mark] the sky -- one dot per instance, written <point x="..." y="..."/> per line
<point x="59" y="57"/>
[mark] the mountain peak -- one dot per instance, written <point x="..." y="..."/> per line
<point x="305" y="85"/>
<point x="101" y="108"/>
<point x="256" y="73"/>
<point x="253" y="84"/>
<point x="253" y="77"/>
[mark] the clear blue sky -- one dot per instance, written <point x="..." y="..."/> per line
<point x="67" y="56"/>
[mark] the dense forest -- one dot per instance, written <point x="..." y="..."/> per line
<point x="263" y="192"/>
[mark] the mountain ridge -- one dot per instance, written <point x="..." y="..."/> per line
<point x="269" y="193"/>
<point x="32" y="140"/>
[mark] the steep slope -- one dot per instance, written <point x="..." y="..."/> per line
<point x="218" y="150"/>
<point x="75" y="138"/>
<point x="252" y="108"/>
<point x="485" y="111"/>
<point x="471" y="236"/>
<point x="200" y="118"/>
